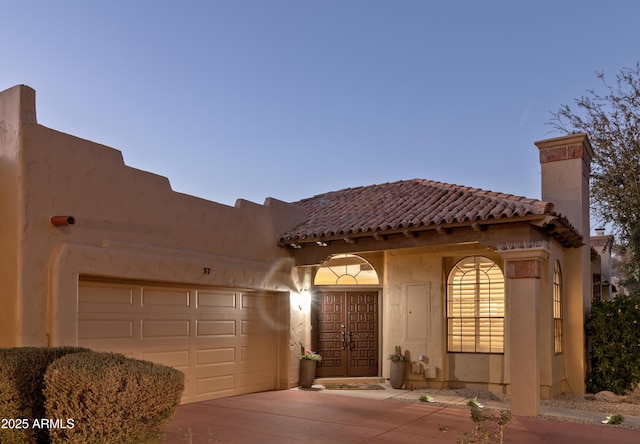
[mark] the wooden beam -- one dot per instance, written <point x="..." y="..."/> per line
<point x="379" y="237"/>
<point x="442" y="230"/>
<point x="510" y="232"/>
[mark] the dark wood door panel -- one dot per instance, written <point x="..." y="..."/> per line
<point x="347" y="333"/>
<point x="362" y="325"/>
<point x="331" y="319"/>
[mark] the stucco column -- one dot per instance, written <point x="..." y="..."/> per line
<point x="565" y="164"/>
<point x="523" y="269"/>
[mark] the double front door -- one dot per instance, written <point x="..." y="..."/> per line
<point x="347" y="333"/>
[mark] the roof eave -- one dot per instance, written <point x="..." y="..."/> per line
<point x="561" y="229"/>
<point x="410" y="231"/>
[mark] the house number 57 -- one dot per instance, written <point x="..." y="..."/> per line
<point x="206" y="270"/>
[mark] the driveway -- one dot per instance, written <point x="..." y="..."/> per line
<point x="310" y="416"/>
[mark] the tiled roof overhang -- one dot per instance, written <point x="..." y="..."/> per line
<point x="417" y="205"/>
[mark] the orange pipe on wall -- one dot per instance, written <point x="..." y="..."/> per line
<point x="62" y="221"/>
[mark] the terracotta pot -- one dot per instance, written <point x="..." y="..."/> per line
<point x="307" y="372"/>
<point x="396" y="378"/>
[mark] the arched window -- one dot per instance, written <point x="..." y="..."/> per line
<point x="475" y="306"/>
<point x="557" y="309"/>
<point x="346" y="269"/>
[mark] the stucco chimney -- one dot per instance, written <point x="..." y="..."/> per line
<point x="566" y="163"/>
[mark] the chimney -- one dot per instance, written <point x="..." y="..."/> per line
<point x="566" y="163"/>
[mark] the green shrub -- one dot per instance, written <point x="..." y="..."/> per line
<point x="22" y="372"/>
<point x="614" y="332"/>
<point x="111" y="398"/>
<point x="616" y="419"/>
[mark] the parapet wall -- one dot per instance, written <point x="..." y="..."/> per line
<point x="128" y="224"/>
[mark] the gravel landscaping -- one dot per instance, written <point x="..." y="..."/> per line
<point x="567" y="401"/>
<point x="588" y="402"/>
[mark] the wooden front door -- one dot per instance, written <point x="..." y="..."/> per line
<point x="347" y="333"/>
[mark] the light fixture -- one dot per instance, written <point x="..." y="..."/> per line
<point x="304" y="300"/>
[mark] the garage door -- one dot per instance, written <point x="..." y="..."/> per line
<point x="223" y="340"/>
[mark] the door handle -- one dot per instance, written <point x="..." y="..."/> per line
<point x="349" y="340"/>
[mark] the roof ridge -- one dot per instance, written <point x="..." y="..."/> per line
<point x="439" y="184"/>
<point x="355" y="188"/>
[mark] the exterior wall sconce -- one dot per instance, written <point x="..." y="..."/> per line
<point x="62" y="221"/>
<point x="304" y="300"/>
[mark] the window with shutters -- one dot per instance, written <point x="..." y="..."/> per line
<point x="475" y="307"/>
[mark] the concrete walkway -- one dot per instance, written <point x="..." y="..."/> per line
<point x="370" y="416"/>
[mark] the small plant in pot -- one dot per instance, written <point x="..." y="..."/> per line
<point x="308" y="363"/>
<point x="398" y="368"/>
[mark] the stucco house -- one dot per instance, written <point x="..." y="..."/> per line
<point x="481" y="289"/>
<point x="604" y="280"/>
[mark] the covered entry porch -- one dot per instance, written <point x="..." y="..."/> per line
<point x="465" y="285"/>
<point x="345" y="317"/>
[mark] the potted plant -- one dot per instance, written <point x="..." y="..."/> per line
<point x="308" y="363"/>
<point x="398" y="368"/>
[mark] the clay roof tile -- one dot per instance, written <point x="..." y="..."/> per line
<point x="403" y="204"/>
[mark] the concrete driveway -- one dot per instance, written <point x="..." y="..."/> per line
<point x="313" y="416"/>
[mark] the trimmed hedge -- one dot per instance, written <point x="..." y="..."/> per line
<point x="111" y="398"/>
<point x="22" y="372"/>
<point x="614" y="332"/>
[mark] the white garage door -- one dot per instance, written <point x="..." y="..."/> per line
<point x="223" y="340"/>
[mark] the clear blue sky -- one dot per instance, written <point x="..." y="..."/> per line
<point x="288" y="99"/>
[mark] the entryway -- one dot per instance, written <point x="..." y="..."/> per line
<point x="347" y="332"/>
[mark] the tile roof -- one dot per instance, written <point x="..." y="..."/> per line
<point x="405" y="204"/>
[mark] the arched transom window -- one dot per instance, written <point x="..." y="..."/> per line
<point x="346" y="269"/>
<point x="475" y="306"/>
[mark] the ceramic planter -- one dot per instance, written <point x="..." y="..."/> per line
<point x="396" y="378"/>
<point x="307" y="372"/>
